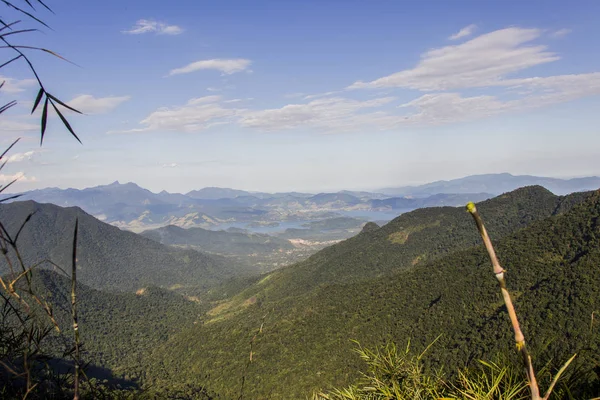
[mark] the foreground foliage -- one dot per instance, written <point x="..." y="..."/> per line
<point x="399" y="375"/>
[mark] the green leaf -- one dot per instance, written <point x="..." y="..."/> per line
<point x="38" y="98"/>
<point x="65" y="122"/>
<point x="8" y="149"/>
<point x="9" y="61"/>
<point x="44" y="119"/>
<point x="63" y="104"/>
<point x="9" y="4"/>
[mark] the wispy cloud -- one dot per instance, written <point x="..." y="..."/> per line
<point x="464" y="32"/>
<point x="88" y="104"/>
<point x="487" y="62"/>
<point x="151" y="26"/>
<point x="318" y="95"/>
<point x="18" y="157"/>
<point x="14" y="125"/>
<point x="225" y="66"/>
<point x="170" y="165"/>
<point x="479" y="62"/>
<point x="196" y="115"/>
<point x="331" y="114"/>
<point x="13" y="86"/>
<point x="19" y="176"/>
<point x="560" y="33"/>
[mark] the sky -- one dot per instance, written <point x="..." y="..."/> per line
<point x="304" y="95"/>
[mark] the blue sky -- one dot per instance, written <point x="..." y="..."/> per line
<point x="308" y="95"/>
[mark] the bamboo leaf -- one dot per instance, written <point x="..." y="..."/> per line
<point x="8" y="149"/>
<point x="7" y="106"/>
<point x="19" y="31"/>
<point x="9" y="184"/>
<point x="63" y="104"/>
<point x="557" y="376"/>
<point x="8" y="26"/>
<point x="44" y="120"/>
<point x="9" y="4"/>
<point x="8" y="62"/>
<point x="65" y="122"/>
<point x="38" y="98"/>
<point x="11" y="197"/>
<point x="45" y="6"/>
<point x="30" y="5"/>
<point x="23" y="226"/>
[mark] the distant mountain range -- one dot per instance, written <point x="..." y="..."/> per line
<point x="132" y="207"/>
<point x="496" y="184"/>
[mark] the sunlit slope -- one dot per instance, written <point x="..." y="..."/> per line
<point x="305" y="343"/>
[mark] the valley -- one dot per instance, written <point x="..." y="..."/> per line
<point x="384" y="283"/>
<point x="299" y="200"/>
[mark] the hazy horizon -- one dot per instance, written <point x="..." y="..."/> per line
<point x="373" y="190"/>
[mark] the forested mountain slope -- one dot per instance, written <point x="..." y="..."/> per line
<point x="412" y="239"/>
<point x="553" y="273"/>
<point x="117" y="329"/>
<point x="217" y="241"/>
<point x="108" y="258"/>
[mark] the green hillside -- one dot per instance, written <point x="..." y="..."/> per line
<point x="305" y="341"/>
<point x="118" y="329"/>
<point x="412" y="239"/>
<point x="108" y="258"/>
<point x="220" y="242"/>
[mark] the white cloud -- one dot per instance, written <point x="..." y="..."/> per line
<point x="332" y="114"/>
<point x="196" y="115"/>
<point x="294" y="95"/>
<point x="339" y="114"/>
<point x="152" y="26"/>
<point x="170" y="165"/>
<point x="88" y="104"/>
<point x="226" y="66"/>
<point x="441" y="108"/>
<point x="318" y="95"/>
<point x="14" y="125"/>
<point x="560" y="33"/>
<point x="556" y="89"/>
<point x="479" y="62"/>
<point x="12" y="86"/>
<point x="445" y="108"/>
<point x="19" y="176"/>
<point x="18" y="157"/>
<point x="464" y="32"/>
<point x="490" y="60"/>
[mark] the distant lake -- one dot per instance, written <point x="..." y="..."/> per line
<point x="375" y="215"/>
<point x="283" y="225"/>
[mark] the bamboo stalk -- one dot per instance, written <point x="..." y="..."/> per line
<point x="499" y="273"/>
<point x="74" y="312"/>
